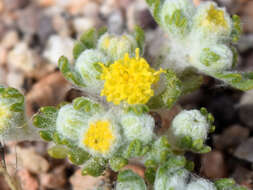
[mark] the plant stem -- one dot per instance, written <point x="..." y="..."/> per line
<point x="12" y="181"/>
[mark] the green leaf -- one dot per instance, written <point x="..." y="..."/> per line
<point x="212" y="129"/>
<point x="190" y="81"/>
<point x="208" y="57"/>
<point x="225" y="183"/>
<point x="46" y="135"/>
<point x="140" y="37"/>
<point x="78" y="156"/>
<point x="237" y="28"/>
<point x="128" y="180"/>
<point x="156" y="9"/>
<point x="17" y="107"/>
<point x="78" y="49"/>
<point x="170" y="95"/>
<point x="150" y="2"/>
<point x="165" y="142"/>
<point x="178" y="161"/>
<point x="58" y="152"/>
<point x="49" y="110"/>
<point x="164" y="155"/>
<point x="40" y="121"/>
<point x="235" y="56"/>
<point x="150" y="175"/>
<point x="82" y="103"/>
<point x="69" y="73"/>
<point x="145" y="150"/>
<point x="150" y="164"/>
<point x="94" y="167"/>
<point x="101" y="31"/>
<point x="185" y="142"/>
<point x="57" y="138"/>
<point x="241" y="81"/>
<point x="86" y="105"/>
<point x="137" y="109"/>
<point x="197" y="144"/>
<point x="46" y="118"/>
<point x="204" y="150"/>
<point x="89" y="38"/>
<point x="16" y="98"/>
<point x="190" y="165"/>
<point x="134" y="149"/>
<point x="210" y="118"/>
<point x="177" y="19"/>
<point x="116" y="163"/>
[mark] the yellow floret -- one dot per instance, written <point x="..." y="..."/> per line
<point x="215" y="18"/>
<point x="130" y="80"/>
<point x="99" y="136"/>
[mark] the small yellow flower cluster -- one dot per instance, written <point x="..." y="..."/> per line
<point x="99" y="136"/>
<point x="130" y="80"/>
<point x="215" y="18"/>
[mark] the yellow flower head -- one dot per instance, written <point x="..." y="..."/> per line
<point x="129" y="79"/>
<point x="99" y="136"/>
<point x="214" y="18"/>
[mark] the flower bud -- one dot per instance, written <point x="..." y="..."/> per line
<point x="214" y="59"/>
<point x="189" y="130"/>
<point x="117" y="46"/>
<point x="88" y="65"/>
<point x="70" y="122"/>
<point x="211" y="23"/>
<point x="171" y="175"/>
<point x="175" y="16"/>
<point x="137" y="126"/>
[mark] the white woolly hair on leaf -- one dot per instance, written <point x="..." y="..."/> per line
<point x="175" y="179"/>
<point x="156" y="151"/>
<point x="115" y="129"/>
<point x="222" y="51"/>
<point x="25" y="132"/>
<point x="87" y="65"/>
<point x="170" y="6"/>
<point x="132" y="182"/>
<point x="185" y="52"/>
<point x="177" y="58"/>
<point x="200" y="32"/>
<point x="70" y="122"/>
<point x="17" y="127"/>
<point x="190" y="123"/>
<point x="200" y="184"/>
<point x="116" y="46"/>
<point x="137" y="126"/>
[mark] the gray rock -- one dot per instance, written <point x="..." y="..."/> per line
<point x="15" y="4"/>
<point x="10" y="39"/>
<point x="33" y="20"/>
<point x="58" y="46"/>
<point x="231" y="137"/>
<point x="245" y="114"/>
<point x="116" y="22"/>
<point x="245" y="150"/>
<point x="28" y="19"/>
